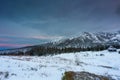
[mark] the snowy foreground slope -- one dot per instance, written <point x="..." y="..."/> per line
<point x="52" y="67"/>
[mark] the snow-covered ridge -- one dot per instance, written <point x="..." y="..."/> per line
<point x="87" y="39"/>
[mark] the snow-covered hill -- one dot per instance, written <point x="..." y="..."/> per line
<point x="52" y="67"/>
<point x="16" y="51"/>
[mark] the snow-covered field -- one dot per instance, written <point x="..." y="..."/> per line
<point x="52" y="67"/>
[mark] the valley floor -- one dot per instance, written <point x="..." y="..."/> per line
<point x="53" y="67"/>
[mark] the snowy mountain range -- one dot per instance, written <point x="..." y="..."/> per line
<point x="84" y="40"/>
<point x="87" y="39"/>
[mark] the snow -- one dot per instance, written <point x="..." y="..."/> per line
<point x="116" y="37"/>
<point x="53" y="67"/>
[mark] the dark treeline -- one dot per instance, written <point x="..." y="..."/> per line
<point x="39" y="50"/>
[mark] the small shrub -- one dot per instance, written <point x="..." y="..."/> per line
<point x="68" y="76"/>
<point x="101" y="54"/>
<point x="33" y="69"/>
<point x="13" y="74"/>
<point x="119" y="52"/>
<point x="6" y="74"/>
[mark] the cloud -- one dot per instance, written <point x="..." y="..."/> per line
<point x="52" y="38"/>
<point x="14" y="45"/>
<point x="118" y="9"/>
<point x="35" y="22"/>
<point x="4" y="39"/>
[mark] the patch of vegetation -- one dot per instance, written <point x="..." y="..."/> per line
<point x="70" y="75"/>
<point x="101" y="54"/>
<point x="33" y="69"/>
<point x="43" y="51"/>
<point x="4" y="75"/>
<point x="118" y="52"/>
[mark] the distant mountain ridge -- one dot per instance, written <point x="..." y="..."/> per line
<point x="87" y="39"/>
<point x="84" y="40"/>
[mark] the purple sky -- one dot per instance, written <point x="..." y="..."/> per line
<point x="31" y="22"/>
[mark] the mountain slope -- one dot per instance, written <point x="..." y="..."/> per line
<point x="87" y="39"/>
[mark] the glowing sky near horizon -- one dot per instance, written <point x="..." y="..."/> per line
<point x="32" y="22"/>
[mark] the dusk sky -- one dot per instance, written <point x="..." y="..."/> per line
<point x="32" y="22"/>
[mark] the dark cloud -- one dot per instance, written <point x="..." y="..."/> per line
<point x="118" y="10"/>
<point x="45" y="20"/>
